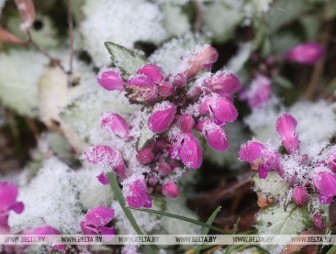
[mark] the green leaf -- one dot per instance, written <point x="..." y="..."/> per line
<point x="205" y="231"/>
<point x="282" y="81"/>
<point x="127" y="60"/>
<point x="119" y="196"/>
<point x="275" y="220"/>
<point x="332" y="250"/>
<point x="182" y="218"/>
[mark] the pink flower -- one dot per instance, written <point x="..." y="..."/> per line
<point x="137" y="195"/>
<point x="286" y="127"/>
<point x="300" y="195"/>
<point x="162" y="117"/>
<point x="166" y="89"/>
<point x="146" y="155"/>
<point x="110" y="79"/>
<point x="142" y="88"/>
<point x="151" y="71"/>
<point x="223" y="83"/>
<point x="325" y="183"/>
<point x="106" y="156"/>
<point x="200" y="59"/>
<point x="222" y="109"/>
<point x="100" y="155"/>
<point x="318" y="221"/>
<point x="180" y="80"/>
<point x="115" y="124"/>
<point x="215" y="135"/>
<point x="8" y="196"/>
<point x="191" y="151"/>
<point x="307" y="53"/>
<point x="185" y="122"/>
<point x="170" y="190"/>
<point x="331" y="161"/>
<point x="45" y="230"/>
<point x="251" y="151"/>
<point x="96" y="222"/>
<point x="259" y="92"/>
<point x="164" y="168"/>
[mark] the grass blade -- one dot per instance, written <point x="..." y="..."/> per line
<point x="205" y="230"/>
<point x="332" y="250"/>
<point x="119" y="196"/>
<point x="179" y="217"/>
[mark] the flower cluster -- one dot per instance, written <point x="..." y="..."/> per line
<point x="176" y="110"/>
<point x="310" y="177"/>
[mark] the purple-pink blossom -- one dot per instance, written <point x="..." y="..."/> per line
<point x="286" y="127"/>
<point x="161" y="118"/>
<point x="300" y="195"/>
<point x="306" y="53"/>
<point x="142" y="88"/>
<point x="137" y="195"/>
<point x="8" y="196"/>
<point x="97" y="222"/>
<point x="115" y="124"/>
<point x="110" y="79"/>
<point x="151" y="71"/>
<point x="170" y="190"/>
<point x="191" y="151"/>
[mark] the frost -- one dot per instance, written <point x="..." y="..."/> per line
<point x="275" y="220"/>
<point x="121" y="22"/>
<point x="319" y="127"/>
<point x="2" y="3"/>
<point x="91" y="192"/>
<point x="50" y="198"/>
<point x="18" y="84"/>
<point x="273" y="186"/>
<point x="169" y="55"/>
<point x="176" y="22"/>
<point x="83" y="114"/>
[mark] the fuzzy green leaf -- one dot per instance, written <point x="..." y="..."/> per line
<point x="125" y="59"/>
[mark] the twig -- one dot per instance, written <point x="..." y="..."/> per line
<point x="318" y="69"/>
<point x="199" y="16"/>
<point x="45" y="53"/>
<point x="71" y="37"/>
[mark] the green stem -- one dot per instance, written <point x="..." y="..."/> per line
<point x="119" y="196"/>
<point x="179" y="217"/>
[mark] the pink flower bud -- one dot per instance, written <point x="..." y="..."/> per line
<point x="142" y="88"/>
<point x="223" y="83"/>
<point x="145" y="155"/>
<point x="325" y="183"/>
<point x="251" y="151"/>
<point x="222" y="109"/>
<point x="215" y="135"/>
<point x="100" y="155"/>
<point x="331" y="161"/>
<point x="180" y="80"/>
<point x="152" y="180"/>
<point x="326" y="200"/>
<point x="286" y="127"/>
<point x="200" y="59"/>
<point x="307" y="53"/>
<point x="318" y="221"/>
<point x="300" y="195"/>
<point x="259" y="92"/>
<point x="191" y="151"/>
<point x="114" y="124"/>
<point x="164" y="168"/>
<point x="96" y="222"/>
<point x="137" y="195"/>
<point x="110" y="79"/>
<point x="45" y="231"/>
<point x="170" y="190"/>
<point x="166" y="89"/>
<point x="8" y="196"/>
<point x="151" y="71"/>
<point x="102" y="178"/>
<point x="185" y="122"/>
<point x="162" y="117"/>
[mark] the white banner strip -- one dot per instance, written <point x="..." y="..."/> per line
<point x="167" y="239"/>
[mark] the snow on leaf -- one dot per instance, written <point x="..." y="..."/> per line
<point x="127" y="60"/>
<point x="275" y="220"/>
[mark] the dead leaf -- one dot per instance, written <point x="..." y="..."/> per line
<point x="27" y="13"/>
<point x="291" y="248"/>
<point x="6" y="36"/>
